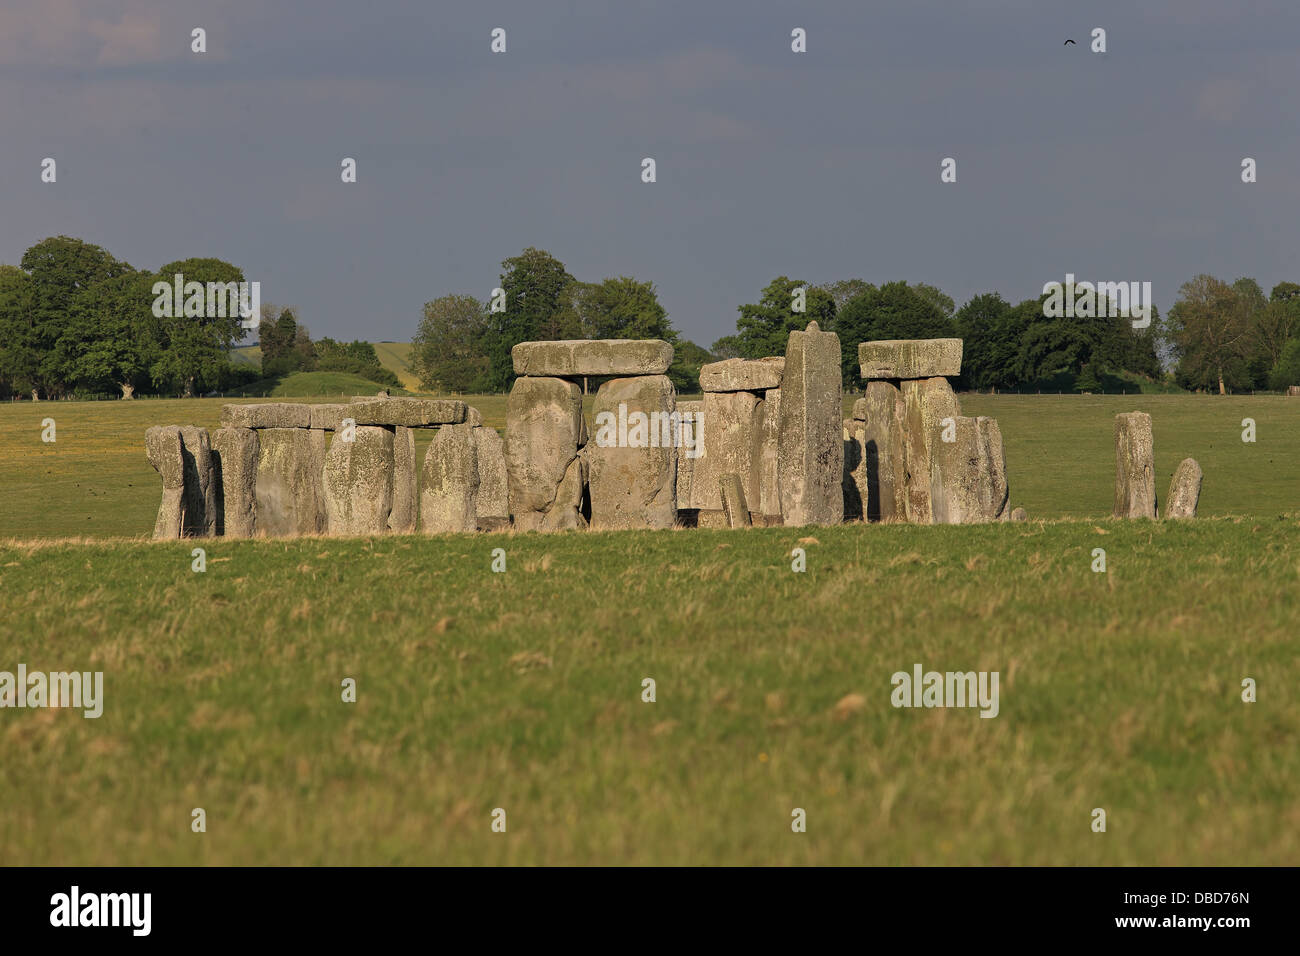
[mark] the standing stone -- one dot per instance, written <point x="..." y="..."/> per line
<point x="1019" y="514"/>
<point x="927" y="402"/>
<point x="449" y="483"/>
<point x="358" y="481"/>
<point x="565" y="512"/>
<point x="290" y="496"/>
<point x="401" y="520"/>
<point x="200" y="488"/>
<point x="632" y="460"/>
<point x="853" y="435"/>
<point x="1184" y="490"/>
<point x="769" y="458"/>
<point x="731" y="444"/>
<point x="734" y="506"/>
<point x="689" y="451"/>
<point x="882" y="478"/>
<point x="162" y="445"/>
<point x="544" y="430"/>
<point x="968" y="475"/>
<point x="1135" y="481"/>
<point x="234" y="456"/>
<point x="811" y="443"/>
<point x="493" y="506"/>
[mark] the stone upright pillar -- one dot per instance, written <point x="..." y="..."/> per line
<point x="450" y="482"/>
<point x="1184" y="490"/>
<point x="290" y="496"/>
<point x="632" y="460"/>
<point x="402" y="519"/>
<point x="811" y="444"/>
<point x="544" y="430"/>
<point x="162" y="445"/>
<point x="358" y="481"/>
<point x="1135" y="470"/>
<point x="234" y="453"/>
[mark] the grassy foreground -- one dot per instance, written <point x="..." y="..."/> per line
<point x="94" y="479"/>
<point x="522" y="690"/>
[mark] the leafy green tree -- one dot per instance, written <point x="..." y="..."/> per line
<point x="990" y="341"/>
<point x="842" y="290"/>
<point x="1210" y="331"/>
<point x="538" y="307"/>
<point x="450" y="351"/>
<point x="688" y="359"/>
<point x="112" y="338"/>
<point x="1287" y="371"/>
<point x="763" y="328"/>
<point x="727" y="347"/>
<point x="19" y="359"/>
<point x="935" y="297"/>
<point x="195" y="350"/>
<point x="621" y="308"/>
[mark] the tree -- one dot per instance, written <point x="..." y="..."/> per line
<point x="19" y="359"/>
<point x="893" y="311"/>
<point x="935" y="297"/>
<point x="60" y="267"/>
<point x="842" y="290"/>
<point x="1210" y="331"/>
<point x="688" y="359"/>
<point x="195" y="350"/>
<point x="990" y="341"/>
<point x="112" y="338"/>
<point x="538" y="307"/>
<point x="727" y="347"/>
<point x="621" y="308"/>
<point x="450" y="350"/>
<point x="763" y="328"/>
<point x="1287" y="371"/>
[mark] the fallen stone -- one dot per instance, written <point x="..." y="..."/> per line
<point x="742" y="375"/>
<point x="927" y="403"/>
<point x="910" y="358"/>
<point x="1019" y="514"/>
<point x="1135" y="483"/>
<point x="234" y="459"/>
<point x="544" y="430"/>
<point x="409" y="412"/>
<point x="1184" y="490"/>
<point x="733" y="501"/>
<point x="402" y="519"/>
<point x="632" y="459"/>
<point x="449" y="482"/>
<point x="200" y="487"/>
<point x="270" y="415"/>
<point x="731" y="443"/>
<point x="493" y="502"/>
<point x="162" y="446"/>
<point x="290" y="496"/>
<point x="811" y="443"/>
<point x="358" y="482"/>
<point x="592" y="357"/>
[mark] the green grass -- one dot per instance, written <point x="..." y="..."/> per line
<point x="522" y="691"/>
<point x="312" y="385"/>
<point x="394" y="356"/>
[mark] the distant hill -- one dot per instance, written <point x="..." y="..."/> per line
<point x="394" y="356"/>
<point x="302" y="384"/>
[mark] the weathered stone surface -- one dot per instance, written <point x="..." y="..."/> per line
<point x="162" y="446"/>
<point x="493" y="502"/>
<point x="968" y="475"/>
<point x="1019" y="514"/>
<point x="200" y="486"/>
<point x="811" y="442"/>
<point x="927" y="403"/>
<point x="234" y="459"/>
<point x="688" y="454"/>
<point x="742" y="375"/>
<point x="329" y="417"/>
<point x="290" y="496"/>
<point x="853" y="434"/>
<point x="769" y="458"/>
<point x="268" y="415"/>
<point x="712" y="518"/>
<point x="544" y="430"/>
<point x="910" y="358"/>
<point x="402" y="519"/>
<point x="1184" y="490"/>
<point x="731" y="444"/>
<point x="734" y="506"/>
<point x="592" y="357"/>
<point x="449" y="482"/>
<point x="409" y="412"/>
<point x="881" y="479"/>
<point x="1135" y="471"/>
<point x="632" y="458"/>
<point x="358" y="481"/>
<point x="473" y="416"/>
<point x="565" y="512"/>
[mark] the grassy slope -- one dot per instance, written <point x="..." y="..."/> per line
<point x="522" y="691"/>
<point x="319" y="385"/>
<point x="394" y="356"/>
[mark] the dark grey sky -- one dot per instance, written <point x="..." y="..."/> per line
<point x="823" y="165"/>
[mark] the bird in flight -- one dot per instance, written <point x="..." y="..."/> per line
<point x="1067" y="43"/>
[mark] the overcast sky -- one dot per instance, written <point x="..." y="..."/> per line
<point x="822" y="165"/>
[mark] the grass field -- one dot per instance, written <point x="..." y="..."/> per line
<point x="394" y="356"/>
<point x="522" y="690"/>
<point x="94" y="479"/>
